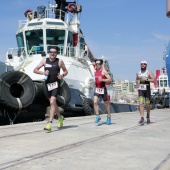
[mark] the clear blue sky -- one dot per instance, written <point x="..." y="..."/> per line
<point x="124" y="31"/>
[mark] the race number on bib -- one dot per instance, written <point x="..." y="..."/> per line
<point x="52" y="86"/>
<point x="142" y="87"/>
<point x="100" y="90"/>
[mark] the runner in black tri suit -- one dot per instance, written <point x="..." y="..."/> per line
<point x="52" y="67"/>
<point x="54" y="70"/>
<point x="143" y="79"/>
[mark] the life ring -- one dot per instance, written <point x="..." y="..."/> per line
<point x="72" y="7"/>
<point x="26" y="12"/>
<point x="88" y="106"/>
<point x="17" y="90"/>
<point x="64" y="96"/>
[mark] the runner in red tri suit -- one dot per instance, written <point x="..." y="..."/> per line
<point x="101" y="77"/>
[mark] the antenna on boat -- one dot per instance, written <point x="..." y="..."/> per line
<point x="53" y="7"/>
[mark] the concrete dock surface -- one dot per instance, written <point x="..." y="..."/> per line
<point x="82" y="145"/>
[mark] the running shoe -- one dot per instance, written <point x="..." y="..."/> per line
<point x="142" y="121"/>
<point x="48" y="127"/>
<point x="108" y="121"/>
<point x="60" y="121"/>
<point x="97" y="119"/>
<point x="148" y="120"/>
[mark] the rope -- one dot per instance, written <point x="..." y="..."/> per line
<point x="11" y="121"/>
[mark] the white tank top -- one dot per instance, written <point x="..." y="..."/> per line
<point x="145" y="74"/>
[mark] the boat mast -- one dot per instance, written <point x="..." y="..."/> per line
<point x="62" y="6"/>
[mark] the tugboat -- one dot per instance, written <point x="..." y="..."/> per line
<point x="59" y="26"/>
<point x="161" y="90"/>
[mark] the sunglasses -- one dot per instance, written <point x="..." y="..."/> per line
<point x="143" y="64"/>
<point x="51" y="52"/>
<point x="98" y="63"/>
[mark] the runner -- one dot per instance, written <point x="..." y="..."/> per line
<point x="101" y="77"/>
<point x="52" y="67"/>
<point x="143" y="79"/>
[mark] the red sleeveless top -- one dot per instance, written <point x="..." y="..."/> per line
<point x="98" y="73"/>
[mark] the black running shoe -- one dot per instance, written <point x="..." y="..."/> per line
<point x="148" y="120"/>
<point x="141" y="121"/>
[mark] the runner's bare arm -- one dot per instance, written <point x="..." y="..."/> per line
<point x="107" y="76"/>
<point x="151" y="77"/>
<point x="63" y="67"/>
<point x="37" y="68"/>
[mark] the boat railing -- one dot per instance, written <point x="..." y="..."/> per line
<point x="57" y="14"/>
<point x="69" y="52"/>
<point x="83" y="52"/>
<point x="22" y="23"/>
<point x="37" y="50"/>
<point x="17" y="52"/>
<point x="49" y="13"/>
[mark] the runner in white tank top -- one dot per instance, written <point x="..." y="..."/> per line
<point x="143" y="79"/>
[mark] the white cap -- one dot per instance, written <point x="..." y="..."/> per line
<point x="144" y="62"/>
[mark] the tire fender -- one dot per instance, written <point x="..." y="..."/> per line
<point x="88" y="106"/>
<point x="17" y="90"/>
<point x="40" y="98"/>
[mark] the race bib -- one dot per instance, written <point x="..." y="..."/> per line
<point x="142" y="87"/>
<point x="100" y="90"/>
<point x="52" y="86"/>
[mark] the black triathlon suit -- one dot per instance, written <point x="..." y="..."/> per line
<point x="54" y="70"/>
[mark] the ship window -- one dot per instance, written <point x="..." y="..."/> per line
<point x="34" y="24"/>
<point x="20" y="43"/>
<point x="55" y="23"/>
<point x="82" y="43"/>
<point x="55" y="37"/>
<point x="34" y="41"/>
<point x="70" y="49"/>
<point x="161" y="83"/>
<point x="70" y="39"/>
<point x="165" y="83"/>
<point x="20" y="40"/>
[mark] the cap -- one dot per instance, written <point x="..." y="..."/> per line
<point x="144" y="62"/>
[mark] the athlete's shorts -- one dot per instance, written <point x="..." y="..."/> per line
<point x="103" y="96"/>
<point x="144" y="95"/>
<point x="53" y="92"/>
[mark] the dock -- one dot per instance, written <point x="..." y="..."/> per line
<point x="82" y="145"/>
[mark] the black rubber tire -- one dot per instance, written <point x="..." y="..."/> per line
<point x="17" y="90"/>
<point x="40" y="98"/>
<point x="5" y="74"/>
<point x="64" y="96"/>
<point x="88" y="106"/>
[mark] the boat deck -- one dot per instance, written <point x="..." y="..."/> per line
<point x="82" y="145"/>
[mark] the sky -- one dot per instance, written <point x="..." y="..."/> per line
<point x="125" y="32"/>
